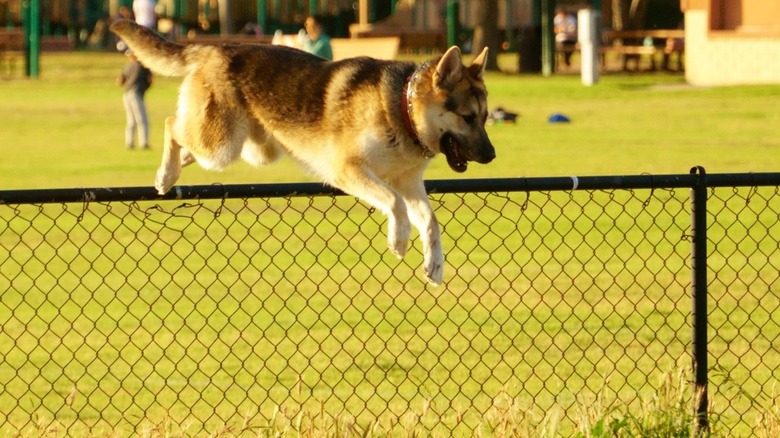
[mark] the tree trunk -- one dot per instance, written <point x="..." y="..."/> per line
<point x="629" y="14"/>
<point x="226" y="23"/>
<point x="638" y="13"/>
<point x="486" y="32"/>
<point x="618" y="15"/>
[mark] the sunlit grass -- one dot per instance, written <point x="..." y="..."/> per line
<point x="66" y="129"/>
<point x="156" y="312"/>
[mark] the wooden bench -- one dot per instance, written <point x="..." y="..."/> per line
<point x="229" y="39"/>
<point x="56" y="44"/>
<point x="380" y="48"/>
<point x="11" y="48"/>
<point x="411" y="40"/>
<point x="12" y="40"/>
<point x="631" y="45"/>
<point x="423" y="42"/>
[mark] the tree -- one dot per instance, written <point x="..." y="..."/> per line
<point x="486" y="32"/>
<point x="629" y="14"/>
<point x="226" y="24"/>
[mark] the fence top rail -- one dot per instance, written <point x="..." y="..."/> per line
<point x="219" y="191"/>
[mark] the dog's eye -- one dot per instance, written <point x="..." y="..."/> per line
<point x="469" y="119"/>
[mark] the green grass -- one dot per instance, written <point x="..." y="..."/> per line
<point x="327" y="315"/>
<point x="66" y="129"/>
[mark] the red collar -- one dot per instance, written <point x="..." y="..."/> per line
<point x="406" y="115"/>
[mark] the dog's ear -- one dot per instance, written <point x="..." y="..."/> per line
<point x="449" y="71"/>
<point x="477" y="67"/>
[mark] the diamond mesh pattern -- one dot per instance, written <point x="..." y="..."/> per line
<point x="212" y="314"/>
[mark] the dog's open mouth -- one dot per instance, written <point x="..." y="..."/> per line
<point x="451" y="149"/>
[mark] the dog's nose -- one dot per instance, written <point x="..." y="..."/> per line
<point x="488" y="155"/>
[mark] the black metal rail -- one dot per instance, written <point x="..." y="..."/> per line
<point x="220" y="191"/>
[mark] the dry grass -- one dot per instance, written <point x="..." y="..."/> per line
<point x="667" y="413"/>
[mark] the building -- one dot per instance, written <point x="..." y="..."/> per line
<point x="730" y="42"/>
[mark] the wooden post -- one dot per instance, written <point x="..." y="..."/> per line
<point x="363" y="13"/>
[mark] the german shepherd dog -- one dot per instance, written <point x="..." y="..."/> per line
<point x="365" y="126"/>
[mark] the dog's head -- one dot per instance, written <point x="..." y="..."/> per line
<point x="457" y="110"/>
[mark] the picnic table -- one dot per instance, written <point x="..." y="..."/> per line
<point x="632" y="45"/>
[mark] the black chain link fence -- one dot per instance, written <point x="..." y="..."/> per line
<point x="121" y="314"/>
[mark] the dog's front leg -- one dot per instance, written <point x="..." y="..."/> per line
<point x="423" y="218"/>
<point x="362" y="183"/>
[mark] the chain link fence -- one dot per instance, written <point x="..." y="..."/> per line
<point x="226" y="309"/>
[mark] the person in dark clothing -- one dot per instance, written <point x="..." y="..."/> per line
<point x="135" y="79"/>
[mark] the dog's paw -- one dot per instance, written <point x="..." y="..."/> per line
<point x="398" y="235"/>
<point x="434" y="268"/>
<point x="433" y="261"/>
<point x="164" y="181"/>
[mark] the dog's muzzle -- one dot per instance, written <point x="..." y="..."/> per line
<point x="487" y="153"/>
<point x="459" y="151"/>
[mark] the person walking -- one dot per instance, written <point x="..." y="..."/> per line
<point x="135" y="80"/>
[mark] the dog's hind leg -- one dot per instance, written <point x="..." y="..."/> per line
<point x="172" y="158"/>
<point x="259" y="147"/>
<point x="186" y="157"/>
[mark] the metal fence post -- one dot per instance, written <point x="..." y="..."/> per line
<point x="453" y="22"/>
<point x="699" y="292"/>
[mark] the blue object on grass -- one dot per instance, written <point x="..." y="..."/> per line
<point x="558" y="118"/>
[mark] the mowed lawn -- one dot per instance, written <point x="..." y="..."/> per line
<point x="346" y="322"/>
<point x="66" y="129"/>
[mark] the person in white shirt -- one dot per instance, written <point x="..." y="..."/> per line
<point x="144" y="12"/>
<point x="565" y="28"/>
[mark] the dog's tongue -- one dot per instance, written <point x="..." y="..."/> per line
<point x="454" y="159"/>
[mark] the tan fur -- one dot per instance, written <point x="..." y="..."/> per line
<point x="343" y="121"/>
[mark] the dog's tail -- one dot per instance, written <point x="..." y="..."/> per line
<point x="155" y="52"/>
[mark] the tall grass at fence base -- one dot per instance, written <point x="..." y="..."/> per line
<point x="768" y="422"/>
<point x="667" y="413"/>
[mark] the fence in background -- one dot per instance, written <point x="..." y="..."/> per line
<point x="232" y="308"/>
